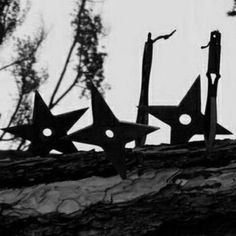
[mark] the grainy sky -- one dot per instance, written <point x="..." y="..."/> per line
<point x="176" y="62"/>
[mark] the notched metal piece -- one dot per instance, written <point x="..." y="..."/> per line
<point x="109" y="133"/>
<point x="46" y="130"/>
<point x="190" y="106"/>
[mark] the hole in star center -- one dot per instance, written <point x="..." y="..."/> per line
<point x="185" y="119"/>
<point x="109" y="133"/>
<point x="47" y="132"/>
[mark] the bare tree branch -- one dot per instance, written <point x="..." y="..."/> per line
<point x="71" y="86"/>
<point x="13" y="63"/>
<point x="51" y="102"/>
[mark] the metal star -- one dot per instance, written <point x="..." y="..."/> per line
<point x="46" y="129"/>
<point x="191" y="106"/>
<point x="109" y="133"/>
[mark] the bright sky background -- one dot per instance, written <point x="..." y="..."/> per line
<point x="176" y="63"/>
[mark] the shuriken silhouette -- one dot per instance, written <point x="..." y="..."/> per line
<point x="109" y="133"/>
<point x="190" y="105"/>
<point x="46" y="130"/>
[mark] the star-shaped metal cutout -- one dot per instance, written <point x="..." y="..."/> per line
<point x="109" y="133"/>
<point x="190" y="107"/>
<point x="46" y="130"/>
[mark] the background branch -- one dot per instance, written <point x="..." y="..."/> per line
<point x="51" y="102"/>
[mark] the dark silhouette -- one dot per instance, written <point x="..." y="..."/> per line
<point x="109" y="133"/>
<point x="12" y="14"/>
<point x="142" y="116"/>
<point x="46" y="129"/>
<point x="191" y="106"/>
<point x="233" y="11"/>
<point x="210" y="119"/>
<point x="84" y="55"/>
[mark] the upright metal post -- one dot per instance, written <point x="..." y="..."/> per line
<point x="142" y="116"/>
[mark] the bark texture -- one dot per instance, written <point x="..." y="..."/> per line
<point x="171" y="190"/>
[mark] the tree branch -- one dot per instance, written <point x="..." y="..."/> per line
<point x="71" y="86"/>
<point x="13" y="63"/>
<point x="51" y="102"/>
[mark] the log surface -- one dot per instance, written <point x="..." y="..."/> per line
<point x="171" y="190"/>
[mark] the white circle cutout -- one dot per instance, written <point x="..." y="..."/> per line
<point x="185" y="119"/>
<point x="109" y="133"/>
<point x="47" y="132"/>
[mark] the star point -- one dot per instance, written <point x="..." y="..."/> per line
<point x="46" y="130"/>
<point x="189" y="106"/>
<point x="109" y="133"/>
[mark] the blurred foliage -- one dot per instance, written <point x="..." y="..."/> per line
<point x="26" y="74"/>
<point x="88" y="29"/>
<point x="11" y="15"/>
<point x="89" y="55"/>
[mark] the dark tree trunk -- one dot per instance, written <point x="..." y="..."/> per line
<point x="171" y="190"/>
